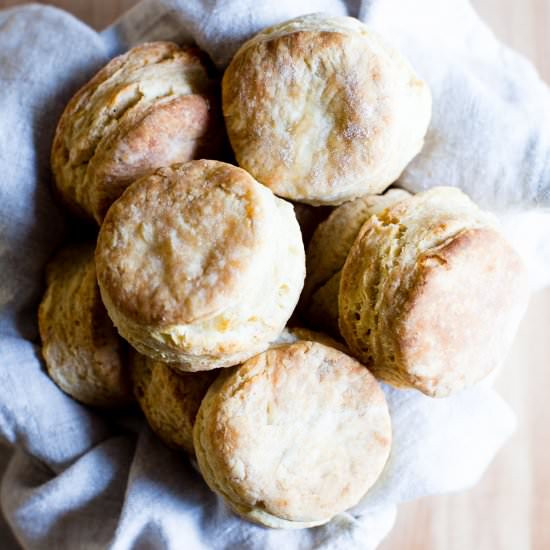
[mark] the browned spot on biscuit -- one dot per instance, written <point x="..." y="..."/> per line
<point x="150" y="107"/>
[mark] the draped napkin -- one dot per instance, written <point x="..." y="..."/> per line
<point x="77" y="478"/>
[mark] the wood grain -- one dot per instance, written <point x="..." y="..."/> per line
<point x="510" y="508"/>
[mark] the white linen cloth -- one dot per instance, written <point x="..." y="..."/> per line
<point x="76" y="478"/>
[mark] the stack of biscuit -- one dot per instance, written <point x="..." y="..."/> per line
<point x="184" y="301"/>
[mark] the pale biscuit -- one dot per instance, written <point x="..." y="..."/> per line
<point x="431" y="294"/>
<point x="294" y="436"/>
<point x="151" y="107"/>
<point x="83" y="354"/>
<point x="328" y="250"/>
<point x="169" y="400"/>
<point x="321" y="110"/>
<point x="200" y="265"/>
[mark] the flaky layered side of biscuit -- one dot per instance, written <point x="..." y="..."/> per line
<point x="200" y="265"/>
<point x="81" y="348"/>
<point x="294" y="436"/>
<point x="327" y="253"/>
<point x="150" y="107"/>
<point x="431" y="294"/>
<point x="169" y="400"/>
<point x="322" y="111"/>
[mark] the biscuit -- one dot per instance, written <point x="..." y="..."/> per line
<point x="431" y="294"/>
<point x="290" y="335"/>
<point x="293" y="436"/>
<point x="200" y="265"/>
<point x="322" y="111"/>
<point x="169" y="400"/>
<point x="151" y="107"/>
<point x="81" y="348"/>
<point x="328" y="250"/>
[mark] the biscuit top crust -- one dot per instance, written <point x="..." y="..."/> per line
<point x="315" y="109"/>
<point x="181" y="245"/>
<point x="124" y="111"/>
<point x="145" y="73"/>
<point x="300" y="432"/>
<point x="333" y="237"/>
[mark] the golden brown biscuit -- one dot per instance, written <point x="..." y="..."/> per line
<point x="294" y="436"/>
<point x="320" y="110"/>
<point x="83" y="353"/>
<point x="200" y="265"/>
<point x="150" y="107"/>
<point x="169" y="400"/>
<point x="431" y="294"/>
<point x="328" y="250"/>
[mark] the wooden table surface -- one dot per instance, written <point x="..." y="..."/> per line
<point x="510" y="508"/>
